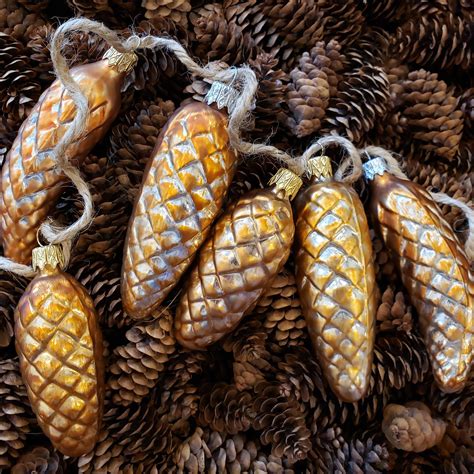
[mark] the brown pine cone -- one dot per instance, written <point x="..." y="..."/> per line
<point x="435" y="37"/>
<point x="18" y="21"/>
<point x="281" y="422"/>
<point x="19" y="89"/>
<point x="176" y="10"/>
<point x="393" y="312"/>
<point x="39" y="460"/>
<point x="16" y="417"/>
<point x="371" y="47"/>
<point x="313" y="82"/>
<point x="281" y="308"/>
<point x="225" y="409"/>
<point x="136" y="366"/>
<point x="466" y="104"/>
<point x="411" y="427"/>
<point x="278" y="27"/>
<point x="11" y="290"/>
<point x="384" y="265"/>
<point x="431" y="113"/>
<point x="386" y="11"/>
<point x="362" y="100"/>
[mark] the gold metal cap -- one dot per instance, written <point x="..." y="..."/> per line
<point x="320" y="168"/>
<point x="286" y="181"/>
<point x="121" y="62"/>
<point x="51" y="255"/>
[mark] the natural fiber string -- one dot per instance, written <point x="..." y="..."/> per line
<point x="394" y="167"/>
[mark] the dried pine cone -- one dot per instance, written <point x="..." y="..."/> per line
<point x="39" y="460"/>
<point x="16" y="417"/>
<point x="18" y="21"/>
<point x="281" y="308"/>
<point x="313" y="82"/>
<point x="431" y="113"/>
<point x="411" y="427"/>
<point x="362" y="99"/>
<point x="137" y="365"/>
<point x="176" y="10"/>
<point x="11" y="290"/>
<point x="371" y="47"/>
<point x="393" y="312"/>
<point x="281" y="422"/>
<point x="434" y="37"/>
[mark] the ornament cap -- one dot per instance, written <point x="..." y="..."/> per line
<point x="49" y="255"/>
<point x="222" y="95"/>
<point x="121" y="62"/>
<point x="287" y="182"/>
<point x="320" y="168"/>
<point x="374" y="167"/>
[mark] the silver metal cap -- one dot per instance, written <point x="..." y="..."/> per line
<point x="222" y="95"/>
<point x="373" y="167"/>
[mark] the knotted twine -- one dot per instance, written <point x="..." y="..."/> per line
<point x="394" y="167"/>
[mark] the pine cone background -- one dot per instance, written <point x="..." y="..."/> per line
<point x="395" y="74"/>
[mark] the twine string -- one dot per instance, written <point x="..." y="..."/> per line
<point x="394" y="168"/>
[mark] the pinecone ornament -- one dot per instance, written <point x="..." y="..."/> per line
<point x="336" y="280"/>
<point x="182" y="192"/>
<point x="31" y="183"/>
<point x="248" y="247"/>
<point x="434" y="269"/>
<point x="59" y="344"/>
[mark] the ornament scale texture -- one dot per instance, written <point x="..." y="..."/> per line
<point x="247" y="249"/>
<point x="59" y="344"/>
<point x="336" y="282"/>
<point x="435" y="271"/>
<point x="182" y="192"/>
<point x="30" y="182"/>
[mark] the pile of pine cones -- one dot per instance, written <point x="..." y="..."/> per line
<point x="390" y="73"/>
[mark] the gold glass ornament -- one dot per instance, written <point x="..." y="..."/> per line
<point x="246" y="250"/>
<point x="31" y="183"/>
<point x="182" y="192"/>
<point x="336" y="280"/>
<point x="433" y="267"/>
<point x="59" y="344"/>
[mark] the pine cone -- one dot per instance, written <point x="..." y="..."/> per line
<point x="137" y="365"/>
<point x="313" y="82"/>
<point x="466" y="104"/>
<point x="39" y="460"/>
<point x="19" y="89"/>
<point x="176" y="10"/>
<point x="435" y="37"/>
<point x="393" y="312"/>
<point x="16" y="417"/>
<point x="281" y="423"/>
<point x="11" y="290"/>
<point x="362" y="99"/>
<point x="411" y="427"/>
<point x="225" y="409"/>
<point x="430" y="112"/>
<point x="18" y="21"/>
<point x="371" y="47"/>
<point x="386" y="11"/>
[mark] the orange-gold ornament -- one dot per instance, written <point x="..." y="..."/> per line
<point x="336" y="280"/>
<point x="246" y="250"/>
<point x="433" y="267"/>
<point x="59" y="344"/>
<point x="182" y="192"/>
<point x="31" y="183"/>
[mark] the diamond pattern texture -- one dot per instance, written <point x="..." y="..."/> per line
<point x="59" y="344"/>
<point x="182" y="192"/>
<point x="30" y="183"/>
<point x="336" y="282"/>
<point x="435" y="271"/>
<point x="247" y="248"/>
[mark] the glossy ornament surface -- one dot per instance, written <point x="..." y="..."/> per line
<point x="434" y="269"/>
<point x="182" y="192"/>
<point x="336" y="282"/>
<point x="248" y="247"/>
<point x="59" y="344"/>
<point x="31" y="184"/>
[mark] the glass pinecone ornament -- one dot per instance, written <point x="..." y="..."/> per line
<point x="247" y="249"/>
<point x="433" y="267"/>
<point x="336" y="280"/>
<point x="31" y="183"/>
<point x="182" y="192"/>
<point x="59" y="344"/>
